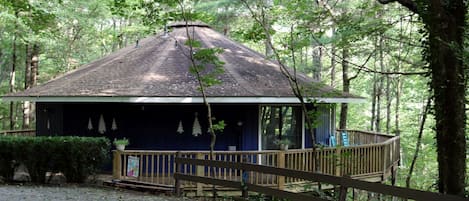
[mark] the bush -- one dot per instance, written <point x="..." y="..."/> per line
<point x="76" y="157"/>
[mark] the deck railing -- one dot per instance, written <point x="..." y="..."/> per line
<point x="376" y="162"/>
<point x="25" y="132"/>
<point x="357" y="137"/>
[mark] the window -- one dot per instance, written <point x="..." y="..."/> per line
<point x="280" y="123"/>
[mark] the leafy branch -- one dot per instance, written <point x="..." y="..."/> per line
<point x="200" y="59"/>
<point x="292" y="80"/>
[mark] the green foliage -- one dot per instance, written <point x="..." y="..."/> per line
<point x="76" y="157"/>
<point x="219" y="126"/>
<point x="209" y="65"/>
<point x="123" y="141"/>
<point x="193" y="43"/>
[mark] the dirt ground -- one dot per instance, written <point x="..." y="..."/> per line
<point x="75" y="192"/>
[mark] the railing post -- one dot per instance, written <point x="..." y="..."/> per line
<point x="244" y="181"/>
<point x="200" y="171"/>
<point x="177" y="182"/>
<point x="338" y="161"/>
<point x="342" y="193"/>
<point x="281" y="164"/>
<point x="385" y="158"/>
<point x="117" y="164"/>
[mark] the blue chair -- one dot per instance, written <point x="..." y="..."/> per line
<point x="332" y="141"/>
<point x="345" y="141"/>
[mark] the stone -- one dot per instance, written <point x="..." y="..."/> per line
<point x="56" y="178"/>
<point x="21" y="174"/>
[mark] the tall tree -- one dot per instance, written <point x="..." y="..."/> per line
<point x="345" y="88"/>
<point x="445" y="22"/>
<point x="13" y="72"/>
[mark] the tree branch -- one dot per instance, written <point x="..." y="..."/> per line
<point x="409" y="4"/>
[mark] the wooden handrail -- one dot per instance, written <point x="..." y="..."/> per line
<point x="367" y="132"/>
<point x="375" y="161"/>
<point x="341" y="181"/>
<point x="23" y="132"/>
<point x="362" y="161"/>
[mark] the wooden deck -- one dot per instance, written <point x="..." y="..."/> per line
<point x="371" y="157"/>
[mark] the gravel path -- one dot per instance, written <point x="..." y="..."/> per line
<point x="81" y="193"/>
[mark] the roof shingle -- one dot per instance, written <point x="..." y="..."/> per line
<point x="158" y="67"/>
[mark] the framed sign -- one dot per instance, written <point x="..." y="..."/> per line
<point x="133" y="166"/>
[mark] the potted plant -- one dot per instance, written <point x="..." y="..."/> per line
<point x="121" y="143"/>
<point x="283" y="143"/>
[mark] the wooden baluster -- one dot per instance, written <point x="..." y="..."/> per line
<point x="140" y="167"/>
<point x="146" y="167"/>
<point x="152" y="167"/>
<point x="158" y="168"/>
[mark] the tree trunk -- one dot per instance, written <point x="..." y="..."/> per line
<point x="380" y="85"/>
<point x="419" y="142"/>
<point x="333" y="62"/>
<point x="27" y="85"/>
<point x="446" y="22"/>
<point x="396" y="106"/>
<point x="388" y="103"/>
<point x="12" y="76"/>
<point x="446" y="25"/>
<point x="34" y="65"/>
<point x="27" y="67"/>
<point x="34" y="74"/>
<point x="317" y="64"/>
<point x="345" y="87"/>
<point x="373" y="101"/>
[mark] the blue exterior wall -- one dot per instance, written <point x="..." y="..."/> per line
<point x="150" y="126"/>
<point x="324" y="128"/>
<point x="153" y="126"/>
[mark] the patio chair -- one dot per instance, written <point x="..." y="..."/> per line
<point x="345" y="140"/>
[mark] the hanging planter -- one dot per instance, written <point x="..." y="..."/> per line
<point x="196" y="130"/>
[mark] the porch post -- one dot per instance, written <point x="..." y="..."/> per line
<point x="117" y="164"/>
<point x="338" y="161"/>
<point x="200" y="171"/>
<point x="177" y="183"/>
<point x="281" y="164"/>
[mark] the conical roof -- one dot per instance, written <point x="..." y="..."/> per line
<point x="156" y="69"/>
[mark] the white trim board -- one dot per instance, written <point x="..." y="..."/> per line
<point x="123" y="99"/>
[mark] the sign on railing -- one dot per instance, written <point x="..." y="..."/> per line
<point x="133" y="167"/>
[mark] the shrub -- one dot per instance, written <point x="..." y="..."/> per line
<point x="76" y="157"/>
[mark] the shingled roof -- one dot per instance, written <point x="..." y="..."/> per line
<point x="156" y="70"/>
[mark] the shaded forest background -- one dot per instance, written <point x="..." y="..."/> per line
<point x="371" y="50"/>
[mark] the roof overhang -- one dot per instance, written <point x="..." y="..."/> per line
<point x="122" y="99"/>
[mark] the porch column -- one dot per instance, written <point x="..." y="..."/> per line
<point x="200" y="171"/>
<point x="281" y="164"/>
<point x="116" y="164"/>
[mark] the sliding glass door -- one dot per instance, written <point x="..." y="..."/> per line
<point x="280" y="124"/>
